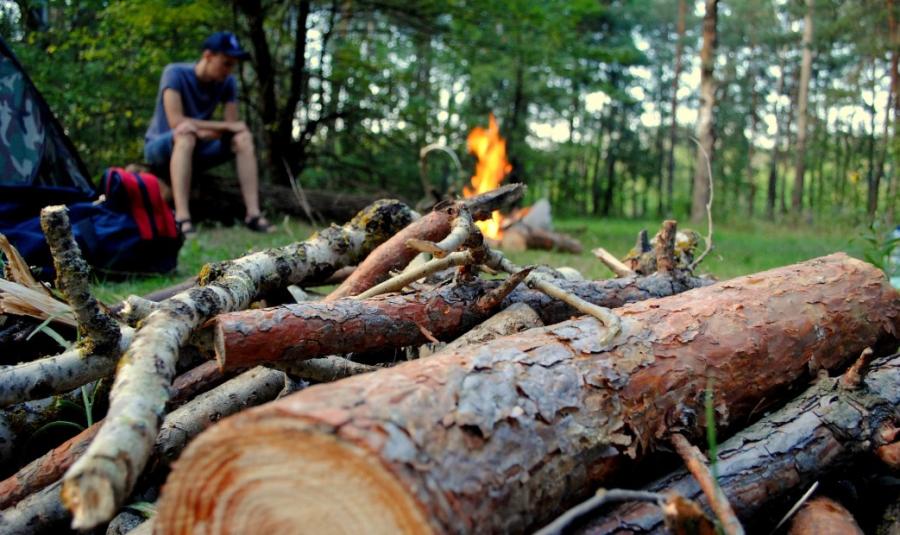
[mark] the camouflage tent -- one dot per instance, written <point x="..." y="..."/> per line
<point x="38" y="164"/>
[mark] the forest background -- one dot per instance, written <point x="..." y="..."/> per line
<point x="600" y="101"/>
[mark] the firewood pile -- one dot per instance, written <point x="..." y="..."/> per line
<point x="442" y="388"/>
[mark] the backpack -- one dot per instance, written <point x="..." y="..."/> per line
<point x="130" y="231"/>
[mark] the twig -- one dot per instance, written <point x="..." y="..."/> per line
<point x="696" y="465"/>
<point x="854" y="375"/>
<point x="301" y="196"/>
<point x="539" y="281"/>
<point x="461" y="228"/>
<point x="614" y="264"/>
<point x="709" y="218"/>
<point x="101" y="332"/>
<point x="324" y="369"/>
<point x="459" y="258"/>
<point x="796" y="506"/>
<point x="571" y="518"/>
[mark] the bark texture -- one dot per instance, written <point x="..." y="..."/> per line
<point x="824" y="428"/>
<point x="38" y="513"/>
<point x="95" y="486"/>
<point x="57" y="374"/>
<point x="501" y="437"/>
<point x="307" y="330"/>
<point x="802" y="103"/>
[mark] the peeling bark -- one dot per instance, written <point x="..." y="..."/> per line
<point x="826" y="427"/>
<point x="96" y="485"/>
<point x="308" y="330"/>
<point x="499" y="438"/>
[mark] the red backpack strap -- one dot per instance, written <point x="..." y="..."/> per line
<point x="135" y="202"/>
<point x="162" y="215"/>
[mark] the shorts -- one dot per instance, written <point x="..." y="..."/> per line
<point x="207" y="153"/>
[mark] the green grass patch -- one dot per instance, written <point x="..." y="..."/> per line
<point x="739" y="249"/>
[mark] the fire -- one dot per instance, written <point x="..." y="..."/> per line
<point x="491" y="169"/>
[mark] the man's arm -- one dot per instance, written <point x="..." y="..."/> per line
<point x="206" y="129"/>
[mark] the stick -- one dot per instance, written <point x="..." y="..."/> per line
<point x="665" y="247"/>
<point x="24" y="301"/>
<point x="460" y="229"/>
<point x="99" y="331"/>
<point x="324" y="369"/>
<point x="57" y="374"/>
<point x="614" y="264"/>
<point x="571" y="518"/>
<point x="696" y="465"/>
<point x="95" y="486"/>
<point x="459" y="258"/>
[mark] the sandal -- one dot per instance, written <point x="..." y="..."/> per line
<point x="259" y="224"/>
<point x="186" y="228"/>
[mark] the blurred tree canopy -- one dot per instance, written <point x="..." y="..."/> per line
<point x="344" y="93"/>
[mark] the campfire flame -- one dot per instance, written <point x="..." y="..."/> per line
<point x="491" y="169"/>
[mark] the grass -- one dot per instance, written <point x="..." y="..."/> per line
<point x="739" y="249"/>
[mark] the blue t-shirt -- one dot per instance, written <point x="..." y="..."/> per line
<point x="199" y="100"/>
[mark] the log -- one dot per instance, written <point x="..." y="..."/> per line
<point x="825" y="428"/>
<point x="502" y="437"/>
<point x="307" y="330"/>
<point x="520" y="236"/>
<point x="824" y="516"/>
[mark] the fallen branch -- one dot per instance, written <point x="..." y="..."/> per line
<point x="498" y="438"/>
<point x="23" y="301"/>
<point x="58" y="374"/>
<point x="614" y="264"/>
<point x="516" y="318"/>
<point x="324" y="369"/>
<point x="95" y="486"/>
<point x="100" y="333"/>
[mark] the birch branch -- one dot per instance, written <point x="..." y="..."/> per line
<point x="95" y="486"/>
<point x="100" y="333"/>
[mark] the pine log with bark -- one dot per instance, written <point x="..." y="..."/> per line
<point x="826" y="427"/>
<point x="308" y="330"/>
<point x="500" y="437"/>
<point x="96" y="484"/>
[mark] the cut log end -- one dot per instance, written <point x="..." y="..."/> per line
<point x="281" y="475"/>
<point x="89" y="499"/>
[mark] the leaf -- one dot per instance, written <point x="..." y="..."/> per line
<point x="45" y="328"/>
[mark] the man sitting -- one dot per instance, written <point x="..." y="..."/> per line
<point x="182" y="135"/>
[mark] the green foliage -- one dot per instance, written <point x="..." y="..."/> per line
<point x="878" y="244"/>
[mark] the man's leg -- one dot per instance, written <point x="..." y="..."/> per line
<point x="245" y="161"/>
<point x="184" y="140"/>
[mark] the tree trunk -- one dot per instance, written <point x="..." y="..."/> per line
<point x="802" y="102"/>
<point x="706" y="133"/>
<point x="772" y="190"/>
<point x="895" y="95"/>
<point x="828" y="426"/>
<point x="873" y="176"/>
<point x="679" y="49"/>
<point x="502" y="437"/>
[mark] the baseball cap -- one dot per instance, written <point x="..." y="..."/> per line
<point x="225" y="43"/>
